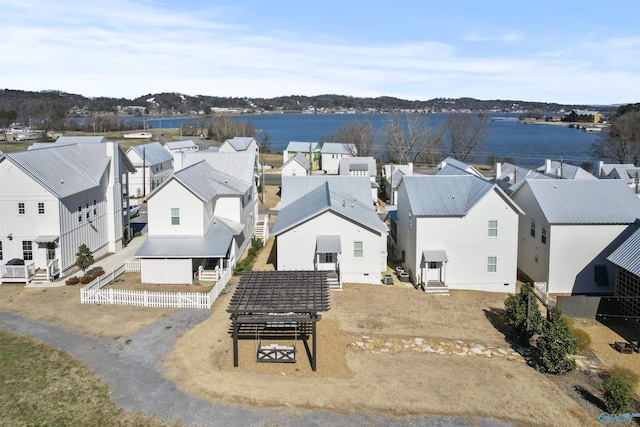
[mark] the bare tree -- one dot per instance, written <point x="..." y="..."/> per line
<point x="622" y="143"/>
<point x="265" y="142"/>
<point x="357" y="136"/>
<point x="409" y="138"/>
<point x="223" y="128"/>
<point x="465" y="134"/>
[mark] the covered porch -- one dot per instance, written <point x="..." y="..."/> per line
<point x="433" y="272"/>
<point x="327" y="258"/>
<point x="48" y="248"/>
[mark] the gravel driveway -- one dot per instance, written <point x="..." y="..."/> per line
<point x="130" y="366"/>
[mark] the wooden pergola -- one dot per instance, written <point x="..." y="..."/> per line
<point x="278" y="305"/>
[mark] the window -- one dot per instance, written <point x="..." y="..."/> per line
<point x="27" y="250"/>
<point x="543" y="234"/>
<point x="409" y="220"/>
<point x="492" y="264"/>
<point x="0" y="251"/>
<point x="95" y="209"/>
<point x="175" y="216"/>
<point x="21" y="209"/>
<point x="600" y="275"/>
<point x="492" y="230"/>
<point x="327" y="258"/>
<point x="40" y="208"/>
<point x="533" y="228"/>
<point x="536" y="258"/>
<point x="433" y="265"/>
<point x="358" y="250"/>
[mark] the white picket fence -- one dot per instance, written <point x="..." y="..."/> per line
<point x="94" y="294"/>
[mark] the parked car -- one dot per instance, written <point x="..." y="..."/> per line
<point x="134" y="211"/>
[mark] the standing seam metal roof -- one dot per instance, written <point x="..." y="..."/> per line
<point x="328" y="245"/>
<point x="627" y="255"/>
<point x="301" y="159"/>
<point x="154" y="153"/>
<point x="357" y="187"/>
<point x="337" y="148"/>
<point x="444" y="195"/>
<point x="239" y="165"/>
<point x="599" y="201"/>
<point x="241" y="143"/>
<point x="295" y="146"/>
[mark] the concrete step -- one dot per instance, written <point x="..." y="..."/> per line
<point x="436" y="290"/>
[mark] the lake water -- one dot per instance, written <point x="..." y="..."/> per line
<point x="529" y="145"/>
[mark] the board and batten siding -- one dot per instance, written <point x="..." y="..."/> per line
<point x="297" y="248"/>
<point x="166" y="270"/>
<point x="575" y="250"/>
<point x="174" y="195"/>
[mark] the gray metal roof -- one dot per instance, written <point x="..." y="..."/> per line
<point x="565" y="170"/>
<point x="63" y="169"/>
<point x="154" y="153"/>
<point x="337" y="148"/>
<point x="348" y="164"/>
<point x="627" y="255"/>
<point x="512" y="177"/>
<point x="435" y="256"/>
<point x="81" y="140"/>
<point x="460" y="165"/>
<point x="322" y="199"/>
<point x="295" y="146"/>
<point x="180" y="145"/>
<point x="449" y="169"/>
<point x="328" y="245"/>
<point x="299" y="158"/>
<point x="599" y="201"/>
<point x="357" y="187"/>
<point x="207" y="183"/>
<point x="444" y="195"/>
<point x="241" y="143"/>
<point x="215" y="243"/>
<point x="240" y="165"/>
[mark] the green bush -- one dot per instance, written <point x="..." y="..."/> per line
<point x="625" y="374"/>
<point x="617" y="396"/>
<point x="516" y="313"/>
<point x="556" y="344"/>
<point x="247" y="262"/>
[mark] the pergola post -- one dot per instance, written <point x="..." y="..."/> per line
<point x="235" y="342"/>
<point x="313" y="344"/>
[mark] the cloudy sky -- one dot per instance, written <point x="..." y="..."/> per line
<point x="570" y="51"/>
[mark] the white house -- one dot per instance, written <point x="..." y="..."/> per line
<point x="239" y="144"/>
<point x="629" y="173"/>
<point x="179" y="146"/>
<point x="569" y="229"/>
<point x="57" y="198"/>
<point x="456" y="232"/>
<point x="510" y="177"/>
<point x="563" y="170"/>
<point x="153" y="165"/>
<point x="449" y="165"/>
<point x="310" y="149"/>
<point x="328" y="223"/>
<point x="361" y="166"/>
<point x="392" y="177"/>
<point x="332" y="152"/>
<point x="297" y="165"/>
<point x="200" y="220"/>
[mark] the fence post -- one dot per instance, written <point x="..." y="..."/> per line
<point x="179" y="299"/>
<point x="110" y="296"/>
<point x="146" y="299"/>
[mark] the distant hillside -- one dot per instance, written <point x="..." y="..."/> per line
<point x="41" y="104"/>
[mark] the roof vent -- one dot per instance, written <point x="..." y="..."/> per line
<point x="453" y="196"/>
<point x="61" y="180"/>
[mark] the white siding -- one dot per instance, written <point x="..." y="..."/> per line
<point x="575" y="250"/>
<point x="466" y="242"/>
<point x="174" y="195"/>
<point x="331" y="162"/>
<point x="297" y="248"/>
<point x="166" y="271"/>
<point x="293" y="169"/>
<point x="228" y="207"/>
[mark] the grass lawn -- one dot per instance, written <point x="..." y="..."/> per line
<point x="40" y="385"/>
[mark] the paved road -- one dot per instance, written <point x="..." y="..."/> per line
<point x="131" y="368"/>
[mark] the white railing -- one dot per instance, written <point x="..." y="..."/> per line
<point x="541" y="290"/>
<point x="133" y="265"/>
<point x="93" y="293"/>
<point x="53" y="269"/>
<point x="18" y="271"/>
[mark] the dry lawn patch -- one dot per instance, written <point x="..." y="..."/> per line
<point x="403" y="383"/>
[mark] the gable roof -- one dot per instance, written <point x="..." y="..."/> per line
<point x="295" y="146"/>
<point x="564" y="170"/>
<point x="512" y="177"/>
<point x="338" y="148"/>
<point x="81" y="140"/>
<point x="322" y="199"/>
<point x="180" y="145"/>
<point x="241" y="143"/>
<point x="627" y="255"/>
<point x="300" y="159"/>
<point x="240" y="165"/>
<point x="459" y="165"/>
<point x="446" y="195"/>
<point x="570" y="201"/>
<point x="355" y="187"/>
<point x="348" y="164"/>
<point x="152" y="152"/>
<point x="63" y="169"/>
